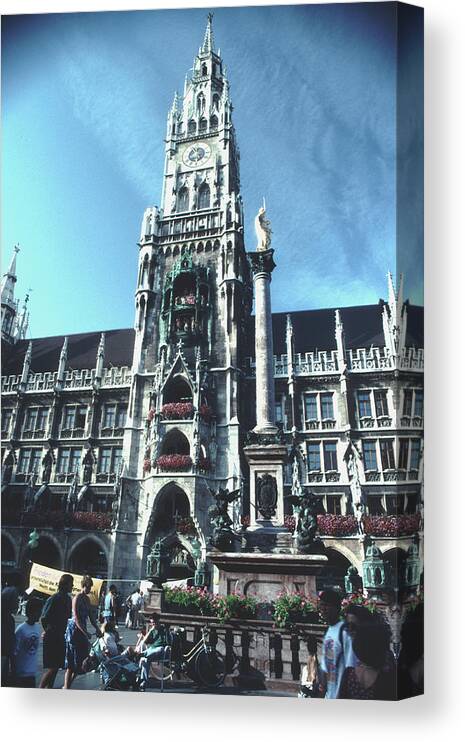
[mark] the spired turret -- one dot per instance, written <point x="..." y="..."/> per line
<point x="14" y="323"/>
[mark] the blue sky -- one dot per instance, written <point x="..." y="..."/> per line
<point x="85" y="98"/>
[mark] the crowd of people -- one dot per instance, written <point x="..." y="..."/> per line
<point x="62" y="624"/>
<point x="356" y="659"/>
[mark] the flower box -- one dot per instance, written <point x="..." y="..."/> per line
<point x="174" y="462"/>
<point x="177" y="411"/>
<point x="337" y="525"/>
<point x="392" y="525"/>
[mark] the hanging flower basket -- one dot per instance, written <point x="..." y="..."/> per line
<point x="177" y="411"/>
<point x="174" y="462"/>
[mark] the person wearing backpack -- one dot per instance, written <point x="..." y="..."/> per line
<point x="337" y="653"/>
<point x="54" y="619"/>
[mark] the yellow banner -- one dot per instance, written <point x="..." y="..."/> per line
<point x="45" y="580"/>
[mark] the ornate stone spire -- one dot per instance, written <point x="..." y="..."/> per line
<point x="100" y="359"/>
<point x="62" y="363"/>
<point x="208" y="42"/>
<point x="26" y="365"/>
<point x="395" y="318"/>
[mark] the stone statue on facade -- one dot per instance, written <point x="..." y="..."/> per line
<point x="222" y="534"/>
<point x="262" y="230"/>
<point x="356" y="491"/>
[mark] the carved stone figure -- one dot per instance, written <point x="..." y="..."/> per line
<point x="222" y="534"/>
<point x="356" y="491"/>
<point x="266" y="496"/>
<point x="46" y="468"/>
<point x="262" y="230"/>
<point x="156" y="563"/>
<point x="307" y="523"/>
<point x="87" y="465"/>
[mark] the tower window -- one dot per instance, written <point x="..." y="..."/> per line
<point x="203" y="125"/>
<point x="183" y="199"/>
<point x="216" y="102"/>
<point x="191" y="127"/>
<point x="213" y="123"/>
<point x="204" y="196"/>
<point x="204" y="70"/>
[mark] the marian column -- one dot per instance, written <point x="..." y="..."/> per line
<point x="262" y="264"/>
<point x="265" y="451"/>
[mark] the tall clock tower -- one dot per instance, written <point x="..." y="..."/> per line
<point x="192" y="300"/>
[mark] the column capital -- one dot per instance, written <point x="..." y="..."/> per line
<point x="262" y="261"/>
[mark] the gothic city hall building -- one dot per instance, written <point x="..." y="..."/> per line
<point x="118" y="441"/>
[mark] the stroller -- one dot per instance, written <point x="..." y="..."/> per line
<point x="116" y="673"/>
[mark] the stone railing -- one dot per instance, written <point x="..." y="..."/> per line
<point x="81" y="379"/>
<point x="370" y="359"/>
<point x="257" y="655"/>
<point x="413" y="359"/>
<point x="322" y="362"/>
<point x="358" y="360"/>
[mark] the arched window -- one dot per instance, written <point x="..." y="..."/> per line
<point x="216" y="102"/>
<point x="191" y="127"/>
<point x="204" y="70"/>
<point x="183" y="199"/>
<point x="203" y="125"/>
<point x="204" y="196"/>
<point x="213" y="123"/>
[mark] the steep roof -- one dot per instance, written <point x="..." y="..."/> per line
<point x="82" y="351"/>
<point x="314" y="329"/>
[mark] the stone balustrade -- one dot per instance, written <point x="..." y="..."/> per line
<point x="80" y="379"/>
<point x="358" y="360"/>
<point x="256" y="653"/>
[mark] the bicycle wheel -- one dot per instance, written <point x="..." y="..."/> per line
<point x="210" y="668"/>
<point x="161" y="670"/>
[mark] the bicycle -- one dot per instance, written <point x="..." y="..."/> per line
<point x="202" y="663"/>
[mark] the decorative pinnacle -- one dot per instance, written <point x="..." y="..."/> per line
<point x="208" y="43"/>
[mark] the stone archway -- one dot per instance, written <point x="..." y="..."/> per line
<point x="48" y="552"/>
<point x="9" y="556"/>
<point x="88" y="556"/>
<point x="171" y="523"/>
<point x="333" y="573"/>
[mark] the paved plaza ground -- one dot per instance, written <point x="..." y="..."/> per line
<point x="91" y="681"/>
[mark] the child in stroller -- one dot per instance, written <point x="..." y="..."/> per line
<point x="118" y="670"/>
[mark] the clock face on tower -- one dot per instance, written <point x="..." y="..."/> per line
<point x="196" y="154"/>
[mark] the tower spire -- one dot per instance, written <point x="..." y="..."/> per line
<point x="208" y="42"/>
<point x="9" y="304"/>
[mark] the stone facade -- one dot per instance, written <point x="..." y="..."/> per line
<point x="111" y="441"/>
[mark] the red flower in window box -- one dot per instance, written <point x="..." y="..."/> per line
<point x="177" y="411"/>
<point x="392" y="525"/>
<point x="174" y="462"/>
<point x="147" y="466"/>
<point x="337" y="525"/>
<point x="151" y="414"/>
